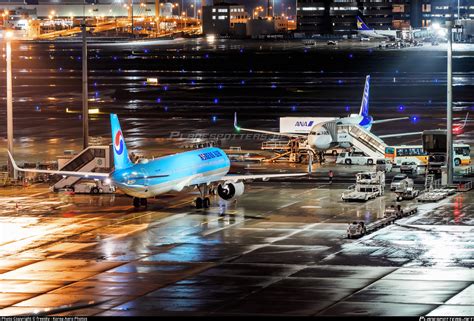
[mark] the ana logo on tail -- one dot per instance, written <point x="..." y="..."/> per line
<point x="118" y="142"/>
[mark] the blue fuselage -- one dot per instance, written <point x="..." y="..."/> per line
<point x="149" y="178"/>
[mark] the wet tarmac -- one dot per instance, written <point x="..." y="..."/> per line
<point x="280" y="250"/>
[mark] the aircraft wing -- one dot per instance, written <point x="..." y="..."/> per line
<point x="237" y="177"/>
<point x="400" y="134"/>
<point x="238" y="128"/>
<point x="388" y="120"/>
<point x="54" y="172"/>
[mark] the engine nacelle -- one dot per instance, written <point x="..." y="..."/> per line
<point x="230" y="190"/>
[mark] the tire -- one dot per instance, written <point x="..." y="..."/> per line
<point x="457" y="162"/>
<point x="136" y="202"/>
<point x="370" y="162"/>
<point x="206" y="202"/>
<point x="348" y="161"/>
<point x="94" y="190"/>
<point x="199" y="203"/>
<point x="334" y="153"/>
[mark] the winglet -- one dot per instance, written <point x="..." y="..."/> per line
<point x="465" y="120"/>
<point x="237" y="128"/>
<point x="15" y="166"/>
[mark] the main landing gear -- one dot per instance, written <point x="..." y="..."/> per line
<point x="137" y="202"/>
<point x="203" y="201"/>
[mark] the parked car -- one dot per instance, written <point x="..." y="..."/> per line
<point x="409" y="167"/>
<point x="354" y="158"/>
<point x="332" y="42"/>
<point x="396" y="181"/>
<point x="383" y="165"/>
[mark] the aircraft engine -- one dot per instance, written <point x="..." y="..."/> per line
<point x="230" y="190"/>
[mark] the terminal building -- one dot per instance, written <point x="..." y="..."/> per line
<point x="339" y="16"/>
<point x="232" y="19"/>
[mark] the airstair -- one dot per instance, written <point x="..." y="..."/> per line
<point x="361" y="139"/>
<point x="91" y="159"/>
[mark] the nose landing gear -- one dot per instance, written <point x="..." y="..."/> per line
<point x="137" y="202"/>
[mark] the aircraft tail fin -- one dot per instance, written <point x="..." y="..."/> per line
<point x="364" y="106"/>
<point x="121" y="158"/>
<point x="361" y="25"/>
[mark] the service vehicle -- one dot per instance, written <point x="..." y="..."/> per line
<point x="356" y="229"/>
<point x="396" y="181"/>
<point x="383" y="165"/>
<point x="96" y="187"/>
<point x="332" y="42"/>
<point x="354" y="158"/>
<point x="399" y="212"/>
<point x="410" y="167"/>
<point x="406" y="190"/>
<point x="369" y="185"/>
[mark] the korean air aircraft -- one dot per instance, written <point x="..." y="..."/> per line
<point x="205" y="168"/>
<point x="364" y="30"/>
<point x="320" y="138"/>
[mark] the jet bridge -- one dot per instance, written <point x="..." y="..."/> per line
<point x="361" y="139"/>
<point x="93" y="158"/>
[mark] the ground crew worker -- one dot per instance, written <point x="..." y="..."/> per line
<point x="331" y="175"/>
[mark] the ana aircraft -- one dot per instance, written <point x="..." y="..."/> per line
<point x="205" y="168"/>
<point x="320" y="139"/>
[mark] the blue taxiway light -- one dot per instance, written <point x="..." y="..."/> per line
<point x="401" y="108"/>
<point x="166" y="108"/>
<point x="242" y="82"/>
<point x="273" y="86"/>
<point x="158" y="100"/>
<point x="220" y="87"/>
<point x="165" y="88"/>
<point x="348" y="108"/>
<point x="214" y="119"/>
<point x="339" y="81"/>
<point x="293" y="108"/>
<point x="193" y="82"/>
<point x="206" y="56"/>
<point x="414" y="119"/>
<point x="216" y="100"/>
<point x="351" y="56"/>
<point x="37" y="108"/>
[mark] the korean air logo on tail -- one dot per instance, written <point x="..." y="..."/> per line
<point x="118" y="142"/>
